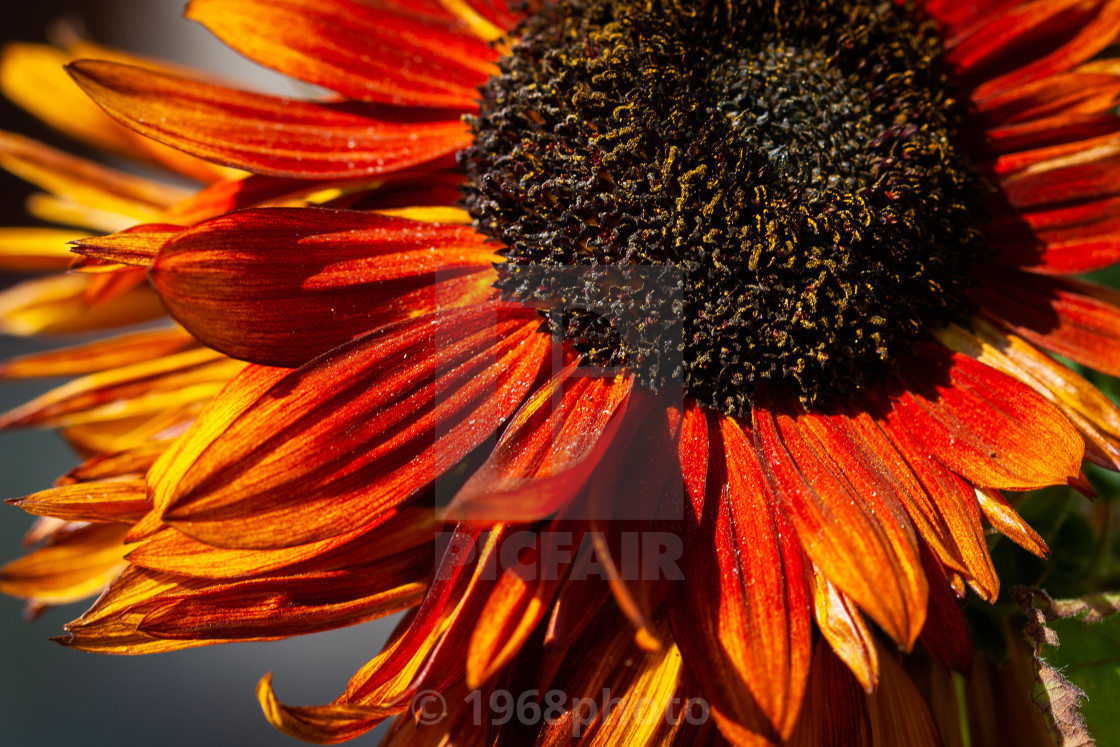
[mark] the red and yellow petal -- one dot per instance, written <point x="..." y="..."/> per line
<point x="267" y="134"/>
<point x="384" y="52"/>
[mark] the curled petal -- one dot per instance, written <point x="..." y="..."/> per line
<point x="312" y="279"/>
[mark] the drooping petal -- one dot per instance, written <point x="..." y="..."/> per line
<point x="518" y="601"/>
<point x="982" y="424"/>
<point x="648" y="691"/>
<point x="945" y="634"/>
<point x="847" y="634"/>
<point x="835" y="713"/>
<point x="380" y="51"/>
<point x="1006" y="519"/>
<point x="353" y="433"/>
<point x="266" y="134"/>
<point x="312" y="279"/>
<point x="897" y="711"/>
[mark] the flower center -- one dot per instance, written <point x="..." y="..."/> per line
<point x="728" y="196"/>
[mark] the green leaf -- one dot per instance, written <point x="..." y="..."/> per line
<point x="1077" y="654"/>
<point x="1089" y="657"/>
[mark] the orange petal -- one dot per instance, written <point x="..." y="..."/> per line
<point x="312" y="279"/>
<point x="58" y="305"/>
<point x="280" y="606"/>
<point x="516" y="605"/>
<point x="137" y="389"/>
<point x="743" y="617"/>
<point x="365" y="52"/>
<point x="870" y="556"/>
<point x="110" y="625"/>
<point x="119" y="500"/>
<point x="114" y="352"/>
<point x="265" y="134"/>
<point x="954" y="508"/>
<point x="1096" y="416"/>
<point x="982" y="424"/>
<point x="352" y="434"/>
<point x="86" y="182"/>
<point x="843" y="627"/>
<point x="36" y="249"/>
<point x="134" y="246"/>
<point x="1003" y="517"/>
<point x="76" y="565"/>
<point x="548" y="450"/>
<point x="33" y="77"/>
<point x="648" y="691"/>
<point x="129" y="463"/>
<point x="171" y="551"/>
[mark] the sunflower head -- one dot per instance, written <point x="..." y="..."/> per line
<point x="795" y="166"/>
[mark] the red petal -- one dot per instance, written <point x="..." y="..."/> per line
<point x="1072" y="318"/>
<point x="943" y="506"/>
<point x="945" y="635"/>
<point x="693" y="456"/>
<point x="835" y="709"/>
<point x="1061" y="34"/>
<point x="355" y="432"/>
<point x="762" y="589"/>
<point x="984" y="425"/>
<point x="312" y="279"/>
<point x="1078" y="182"/>
<point x="548" y="450"/>
<point x="366" y="51"/>
<point x="265" y="134"/>
<point x="870" y="556"/>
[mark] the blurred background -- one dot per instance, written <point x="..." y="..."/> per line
<point x="53" y="696"/>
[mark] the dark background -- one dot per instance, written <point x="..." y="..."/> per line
<point x="53" y="696"/>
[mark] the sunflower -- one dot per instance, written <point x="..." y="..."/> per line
<point x="664" y="362"/>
